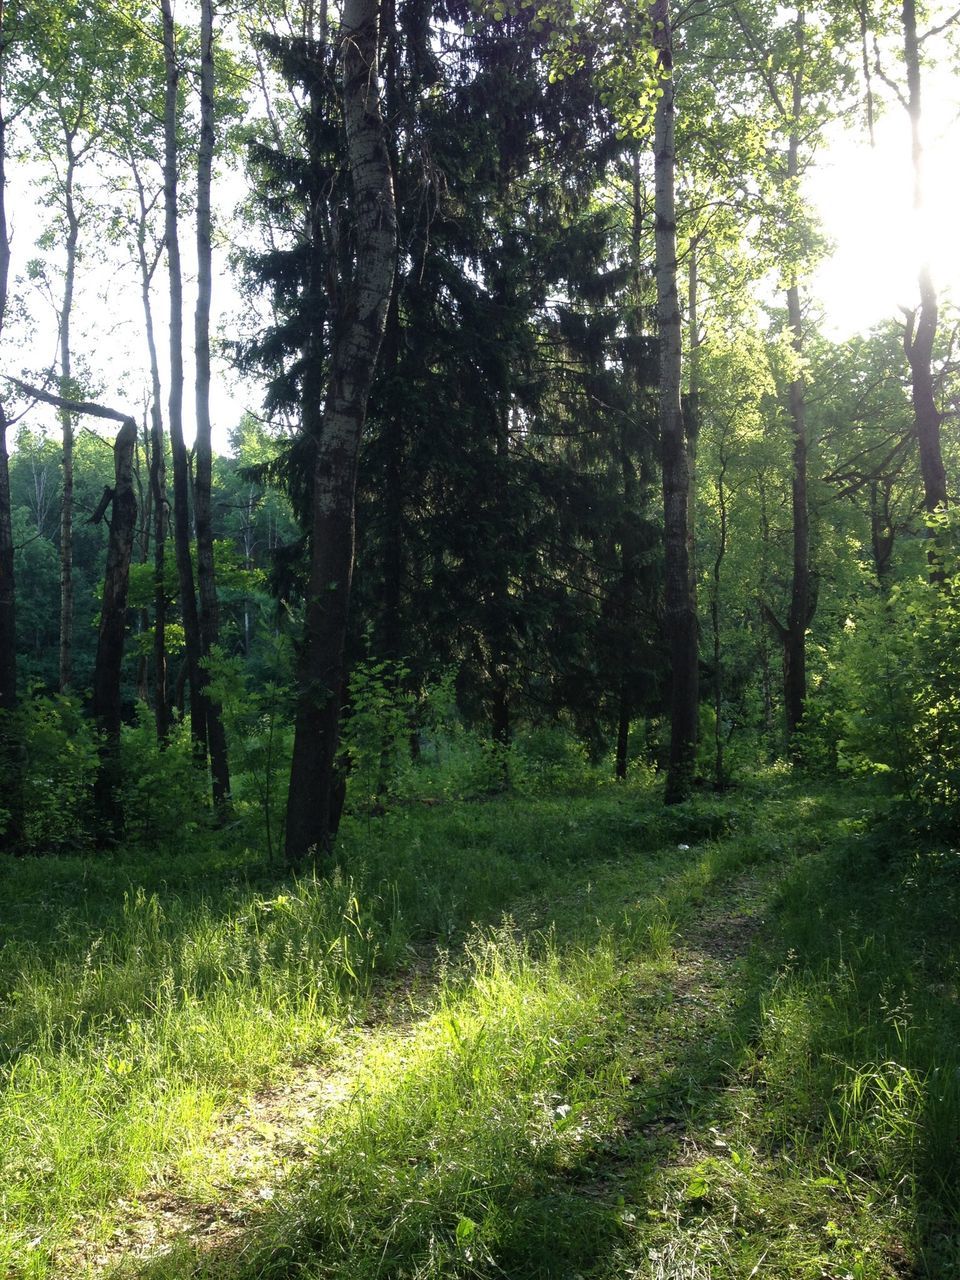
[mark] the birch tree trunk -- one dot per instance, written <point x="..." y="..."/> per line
<point x="356" y="343"/>
<point x="66" y="421"/>
<point x="178" y="450"/>
<point x="206" y="579"/>
<point x="158" y="471"/>
<point x="113" y="617"/>
<point x="680" y="617"/>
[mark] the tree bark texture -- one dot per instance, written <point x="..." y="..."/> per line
<point x="209" y="612"/>
<point x="113" y="619"/>
<point x="800" y="612"/>
<point x="11" y="762"/>
<point x="680" y="618"/>
<point x="8" y="627"/>
<point x="921" y="330"/>
<point x="122" y="500"/>
<point x="157" y="476"/>
<point x="66" y="422"/>
<point x="918" y="342"/>
<point x="719" y="768"/>
<point x="178" y="449"/>
<point x="356" y="342"/>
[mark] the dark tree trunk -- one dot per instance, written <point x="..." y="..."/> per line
<point x="680" y="617"/>
<point x="8" y="628"/>
<point x="921" y="329"/>
<point x="145" y="505"/>
<point x="10" y="758"/>
<point x="356" y="343"/>
<point x="800" y="611"/>
<point x="623" y="734"/>
<point x="113" y="614"/>
<point x="178" y="449"/>
<point x="158" y="475"/>
<point x="802" y="604"/>
<point x="209" y="609"/>
<point x="66" y="420"/>
<point x="393" y="499"/>
<point x="882" y="533"/>
<point x="719" y="768"/>
<point x="113" y="618"/>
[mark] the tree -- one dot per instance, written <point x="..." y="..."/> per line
<point x="208" y="615"/>
<point x="9" y="746"/>
<point x="178" y="448"/>
<point x="113" y="612"/>
<point x="361" y="303"/>
<point x="920" y="328"/>
<point x="680" y="613"/>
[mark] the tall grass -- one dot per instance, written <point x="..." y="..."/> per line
<point x="859" y="1052"/>
<point x="138" y="996"/>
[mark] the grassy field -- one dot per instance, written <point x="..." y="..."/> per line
<point x="526" y="1037"/>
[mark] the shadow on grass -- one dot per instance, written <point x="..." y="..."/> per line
<point x="555" y="1213"/>
<point x="730" y="1147"/>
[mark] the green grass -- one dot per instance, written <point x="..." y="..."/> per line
<point x="139" y="996"/>
<point x="568" y="1094"/>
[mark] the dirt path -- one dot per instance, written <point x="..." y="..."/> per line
<point x="258" y="1141"/>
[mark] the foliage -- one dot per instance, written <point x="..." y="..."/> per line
<point x="162" y="791"/>
<point x="60" y="758"/>
<point x="889" y="702"/>
<point x="376" y="737"/>
<point x="257" y="720"/>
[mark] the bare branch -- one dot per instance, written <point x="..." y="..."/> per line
<point x="89" y="407"/>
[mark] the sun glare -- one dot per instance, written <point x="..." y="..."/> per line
<point x="864" y="197"/>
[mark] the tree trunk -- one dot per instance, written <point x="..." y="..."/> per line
<point x="66" y="421"/>
<point x="209" y="610"/>
<point x="680" y="618"/>
<point x="178" y="450"/>
<point x="113" y="614"/>
<point x="922" y="328"/>
<point x="801" y="606"/>
<point x="8" y="628"/>
<point x="113" y="618"/>
<point x="158" y="475"/>
<point x="145" y="505"/>
<point x="798" y="617"/>
<point x="719" y="769"/>
<point x="882" y="533"/>
<point x="623" y="735"/>
<point x="392" y="628"/>
<point x="356" y="343"/>
<point x="10" y="756"/>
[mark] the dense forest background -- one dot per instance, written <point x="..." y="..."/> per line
<point x="609" y="479"/>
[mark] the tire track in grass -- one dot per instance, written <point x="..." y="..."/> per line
<point x="222" y="1189"/>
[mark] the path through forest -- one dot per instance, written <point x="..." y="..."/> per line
<point x="676" y="1008"/>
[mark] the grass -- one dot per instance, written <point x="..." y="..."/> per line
<point x="140" y="996"/>
<point x="598" y="1077"/>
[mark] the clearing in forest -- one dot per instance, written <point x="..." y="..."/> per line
<point x="672" y="1046"/>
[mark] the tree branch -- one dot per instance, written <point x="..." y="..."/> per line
<point x="88" y="407"/>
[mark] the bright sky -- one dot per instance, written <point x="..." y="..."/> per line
<point x="864" y="198"/>
<point x="865" y="201"/>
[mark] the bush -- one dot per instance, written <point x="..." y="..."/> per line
<point x="162" y="790"/>
<point x="893" y="704"/>
<point x="60" y="766"/>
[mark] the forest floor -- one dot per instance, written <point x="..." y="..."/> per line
<point x="721" y="1043"/>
